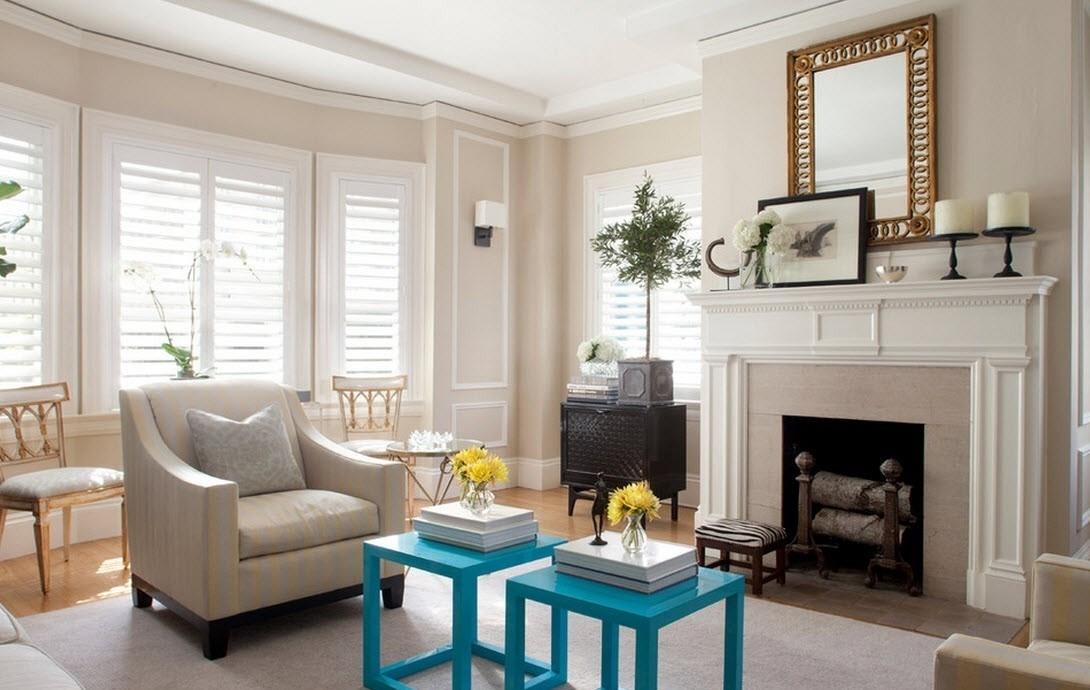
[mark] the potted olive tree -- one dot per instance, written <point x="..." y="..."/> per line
<point x="650" y="250"/>
<point x="8" y="189"/>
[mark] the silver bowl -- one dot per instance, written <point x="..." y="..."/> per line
<point x="891" y="274"/>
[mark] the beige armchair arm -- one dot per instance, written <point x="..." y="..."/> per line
<point x="183" y="524"/>
<point x="1061" y="600"/>
<point x="329" y="466"/>
<point x="970" y="663"/>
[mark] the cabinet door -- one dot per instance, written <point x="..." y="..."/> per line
<point x="609" y="440"/>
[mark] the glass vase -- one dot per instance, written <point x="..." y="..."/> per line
<point x="606" y="370"/>
<point x="758" y="270"/>
<point x="633" y="536"/>
<point x="477" y="498"/>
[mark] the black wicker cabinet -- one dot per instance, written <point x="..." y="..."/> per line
<point x="627" y="443"/>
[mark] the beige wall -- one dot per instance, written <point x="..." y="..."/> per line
<point x="1003" y="79"/>
<point x="646" y="143"/>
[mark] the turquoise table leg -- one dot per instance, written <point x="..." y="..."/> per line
<point x="372" y="633"/>
<point x="464" y="632"/>
<point x="610" y="653"/>
<point x="647" y="657"/>
<point x="732" y="643"/>
<point x="514" y="671"/>
<point x="559" y="645"/>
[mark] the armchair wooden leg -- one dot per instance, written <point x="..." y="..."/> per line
<point x="124" y="534"/>
<point x="3" y="521"/>
<point x="214" y="639"/>
<point x="140" y="598"/>
<point x="41" y="544"/>
<point x="393" y="591"/>
<point x="67" y="512"/>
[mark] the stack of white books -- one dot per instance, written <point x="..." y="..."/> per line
<point x="661" y="564"/>
<point x="502" y="527"/>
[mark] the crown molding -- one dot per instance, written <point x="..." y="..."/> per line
<point x="792" y="24"/>
<point x="633" y="117"/>
<point x="55" y="29"/>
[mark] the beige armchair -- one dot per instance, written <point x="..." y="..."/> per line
<point x="1058" y="656"/>
<point x="219" y="561"/>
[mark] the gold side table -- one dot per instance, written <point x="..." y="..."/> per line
<point x="408" y="456"/>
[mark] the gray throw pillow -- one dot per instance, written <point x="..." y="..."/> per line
<point x="254" y="453"/>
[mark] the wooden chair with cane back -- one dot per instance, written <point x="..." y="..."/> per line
<point x="34" y="474"/>
<point x="370" y="406"/>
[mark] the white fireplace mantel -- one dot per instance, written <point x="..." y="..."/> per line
<point x="994" y="327"/>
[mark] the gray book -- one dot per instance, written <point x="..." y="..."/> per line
<point x="474" y="547"/>
<point x="689" y="572"/>
<point x="658" y="559"/>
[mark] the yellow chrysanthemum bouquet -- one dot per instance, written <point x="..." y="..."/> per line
<point x="632" y="503"/>
<point x="477" y="469"/>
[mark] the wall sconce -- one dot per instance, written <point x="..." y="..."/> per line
<point x="488" y="215"/>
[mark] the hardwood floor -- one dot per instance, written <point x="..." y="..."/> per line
<point x="96" y="572"/>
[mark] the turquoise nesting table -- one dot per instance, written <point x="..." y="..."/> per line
<point x="645" y="613"/>
<point x="463" y="567"/>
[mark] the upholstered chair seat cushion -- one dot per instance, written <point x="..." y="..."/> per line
<point x="374" y="447"/>
<point x="255" y="453"/>
<point x="60" y="481"/>
<point x="1064" y="650"/>
<point x="293" y="520"/>
<point x="743" y="532"/>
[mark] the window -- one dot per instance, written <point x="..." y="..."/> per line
<point x="37" y="150"/>
<point x="618" y="309"/>
<point x="172" y="201"/>
<point x="367" y="233"/>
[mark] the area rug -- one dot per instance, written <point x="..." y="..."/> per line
<point x="110" y="645"/>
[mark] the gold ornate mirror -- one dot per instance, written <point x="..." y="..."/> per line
<point x="861" y="113"/>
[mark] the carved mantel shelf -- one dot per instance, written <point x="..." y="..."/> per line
<point x="994" y="327"/>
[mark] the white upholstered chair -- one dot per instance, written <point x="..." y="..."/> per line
<point x="370" y="411"/>
<point x="218" y="560"/>
<point x="1058" y="657"/>
<point x="32" y="443"/>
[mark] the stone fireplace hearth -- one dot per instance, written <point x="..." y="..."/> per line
<point x="853" y="392"/>
<point x="961" y="358"/>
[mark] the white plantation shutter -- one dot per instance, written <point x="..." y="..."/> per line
<point x="159" y="200"/>
<point x="675" y="328"/>
<point x="167" y="205"/>
<point x="372" y="225"/>
<point x="22" y="293"/>
<point x="249" y="328"/>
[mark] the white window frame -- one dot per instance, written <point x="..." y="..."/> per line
<point x="103" y="135"/>
<point x="60" y="226"/>
<point x="333" y="171"/>
<point x="628" y="179"/>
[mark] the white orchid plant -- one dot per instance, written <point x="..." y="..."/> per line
<point x="600" y="348"/>
<point x="145" y="275"/>
<point x="757" y="237"/>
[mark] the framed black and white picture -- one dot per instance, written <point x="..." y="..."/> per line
<point x="828" y="237"/>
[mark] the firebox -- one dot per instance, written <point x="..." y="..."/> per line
<point x="847" y="486"/>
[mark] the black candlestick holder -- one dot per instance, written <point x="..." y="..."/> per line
<point x="1008" y="233"/>
<point x="953" y="238"/>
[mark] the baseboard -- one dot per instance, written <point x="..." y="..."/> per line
<point x="92" y="521"/>
<point x="690" y="497"/>
<point x="1083" y="552"/>
<point x="539" y="474"/>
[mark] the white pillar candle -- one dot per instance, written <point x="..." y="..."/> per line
<point x="1008" y="210"/>
<point x="953" y="215"/>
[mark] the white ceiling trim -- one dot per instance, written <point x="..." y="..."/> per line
<point x="359" y="48"/>
<point x="70" y="35"/>
<point x="789" y="25"/>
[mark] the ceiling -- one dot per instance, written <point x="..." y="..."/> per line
<point x="561" y="61"/>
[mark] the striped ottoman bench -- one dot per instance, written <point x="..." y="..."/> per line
<point x="752" y="539"/>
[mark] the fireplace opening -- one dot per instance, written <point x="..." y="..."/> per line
<point x="849" y="495"/>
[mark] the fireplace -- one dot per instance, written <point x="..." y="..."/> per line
<point x="849" y="452"/>
<point x="960" y="357"/>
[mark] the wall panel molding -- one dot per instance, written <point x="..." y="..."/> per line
<point x="501" y="405"/>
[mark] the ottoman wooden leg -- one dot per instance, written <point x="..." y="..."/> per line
<point x="781" y="564"/>
<point x="757" y="563"/>
<point x="701" y="556"/>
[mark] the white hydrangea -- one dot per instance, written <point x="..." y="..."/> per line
<point x="600" y="348"/>
<point x="779" y="239"/>
<point x="208" y="250"/>
<point x="747" y="235"/>
<point x="767" y="217"/>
